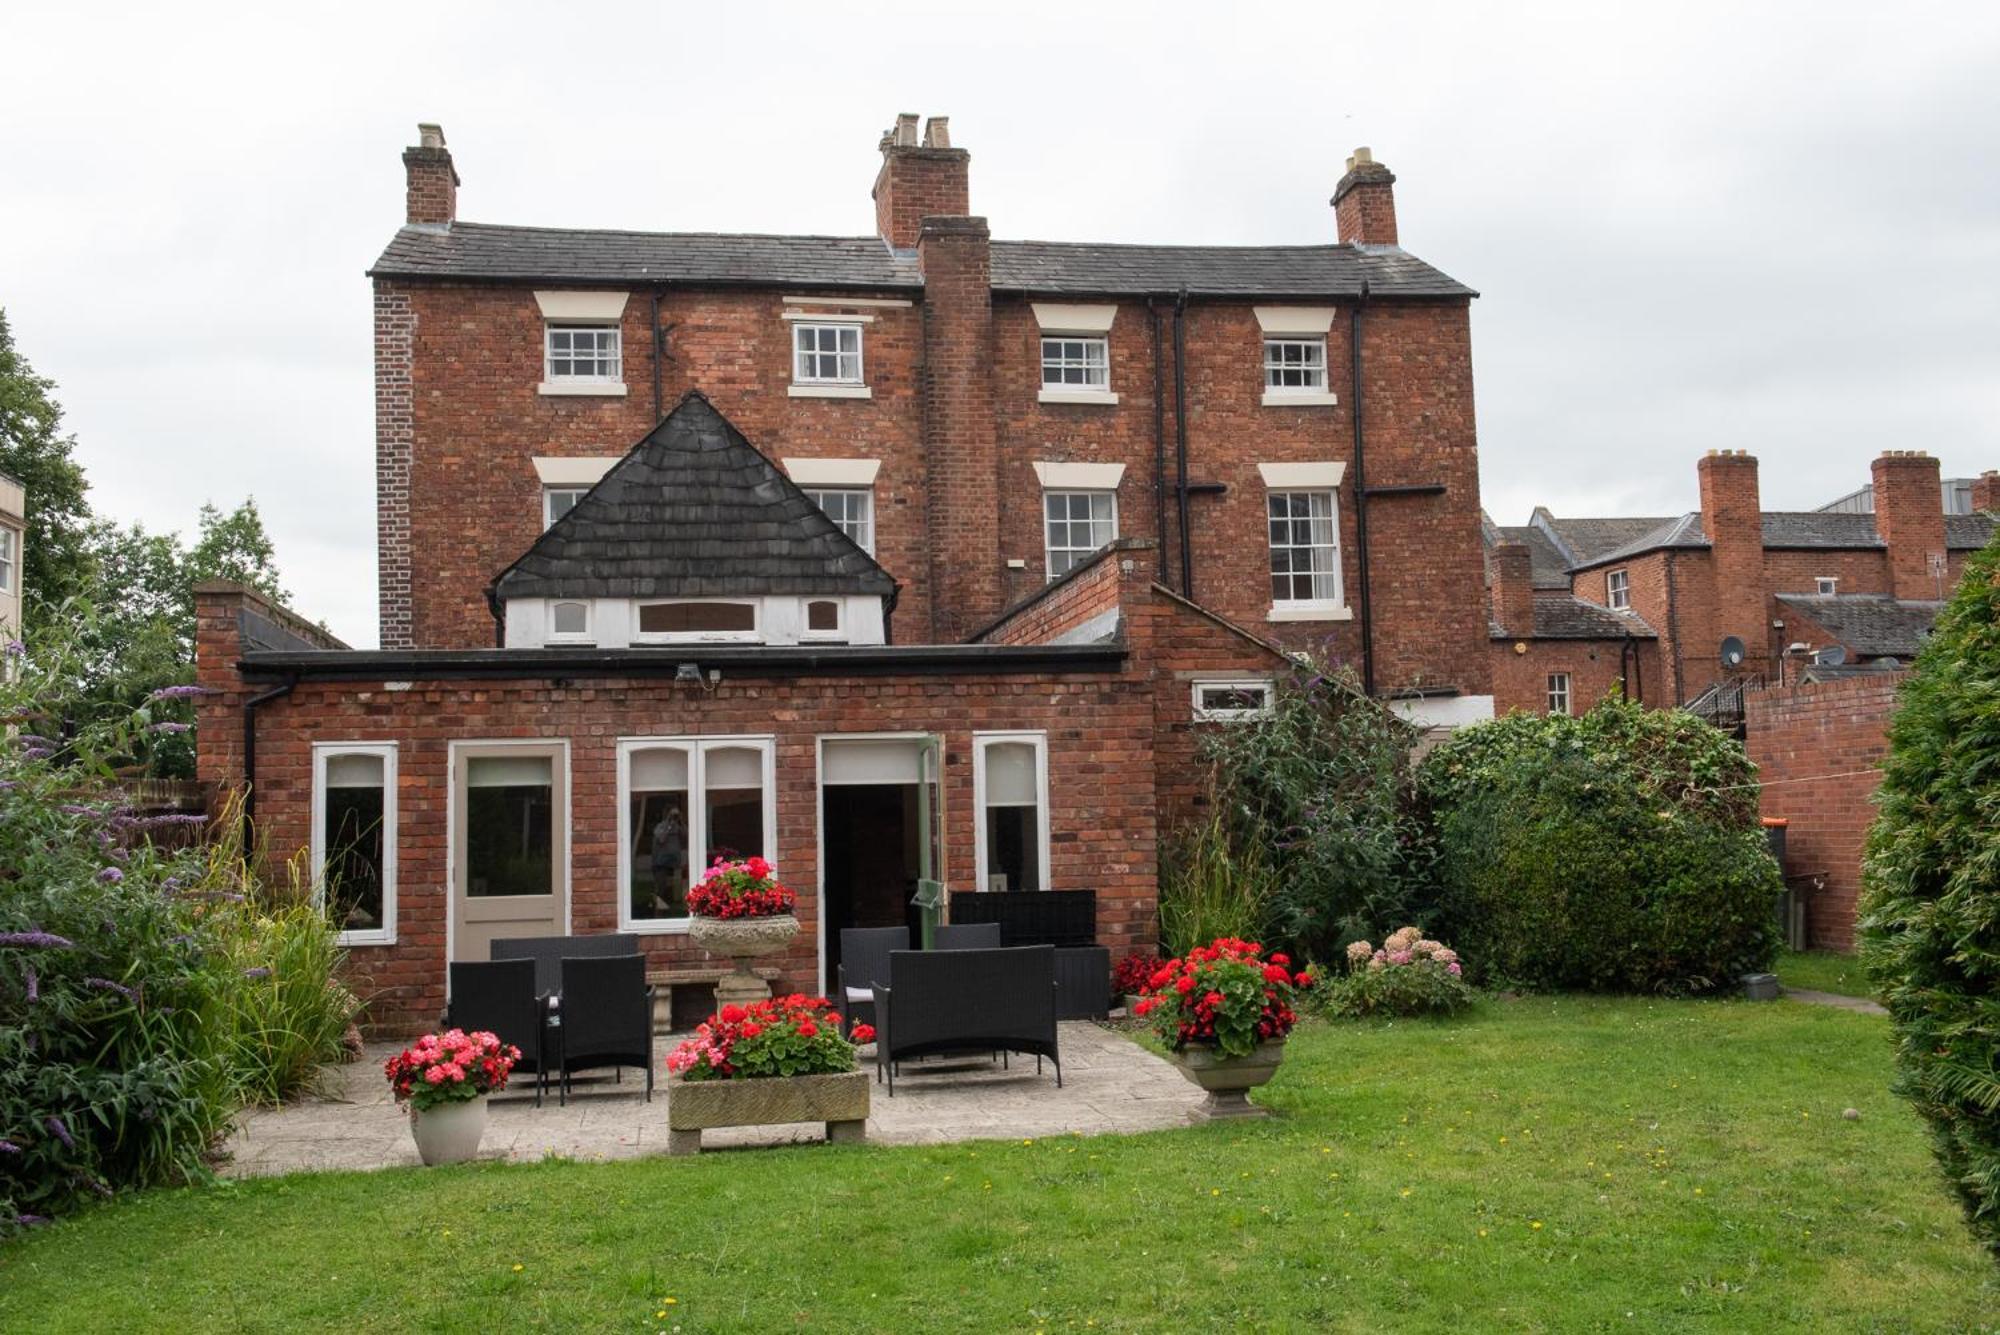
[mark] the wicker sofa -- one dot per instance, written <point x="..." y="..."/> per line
<point x="955" y="1001"/>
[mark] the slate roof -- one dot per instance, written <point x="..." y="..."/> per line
<point x="1562" y="616"/>
<point x="485" y="251"/>
<point x="694" y="511"/>
<point x="1547" y="566"/>
<point x="1783" y="529"/>
<point x="1870" y="625"/>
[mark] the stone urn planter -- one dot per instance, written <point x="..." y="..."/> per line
<point x="450" y="1132"/>
<point x="1229" y="1080"/>
<point x="840" y="1101"/>
<point x="742" y="940"/>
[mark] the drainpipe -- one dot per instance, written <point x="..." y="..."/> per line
<point x="1181" y="441"/>
<point x="250" y="752"/>
<point x="1361" y="492"/>
<point x="1159" y="436"/>
<point x="1674" y="632"/>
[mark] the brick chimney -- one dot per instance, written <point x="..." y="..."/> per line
<point x="1986" y="492"/>
<point x="1732" y="516"/>
<point x="1909" y="518"/>
<point x="1364" y="203"/>
<point x="919" y="180"/>
<point x="963" y="529"/>
<point x="1514" y="589"/>
<point x="431" y="182"/>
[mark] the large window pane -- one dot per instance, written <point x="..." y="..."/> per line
<point x="509" y="826"/>
<point x="696" y="618"/>
<point x="354" y="824"/>
<point x="659" y="858"/>
<point x="733" y="782"/>
<point x="1013" y="817"/>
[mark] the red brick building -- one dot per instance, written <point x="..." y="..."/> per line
<point x="694" y="542"/>
<point x="1692" y="607"/>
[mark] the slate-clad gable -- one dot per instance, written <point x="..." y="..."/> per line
<point x="1871" y="625"/>
<point x="694" y="511"/>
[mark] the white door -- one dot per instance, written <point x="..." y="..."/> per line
<point x="510" y="843"/>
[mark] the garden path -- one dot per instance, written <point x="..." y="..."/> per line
<point x="1861" y="1005"/>
<point x="1110" y="1084"/>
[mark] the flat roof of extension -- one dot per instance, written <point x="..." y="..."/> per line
<point x="833" y="660"/>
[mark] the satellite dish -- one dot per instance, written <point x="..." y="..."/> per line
<point x="1732" y="651"/>
<point x="1831" y="656"/>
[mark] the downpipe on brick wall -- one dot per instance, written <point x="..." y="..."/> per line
<point x="1181" y="442"/>
<point x="249" y="812"/>
<point x="1159" y="436"/>
<point x="1361" y="492"/>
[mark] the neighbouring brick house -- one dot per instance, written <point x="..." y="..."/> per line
<point x="1782" y="590"/>
<point x="693" y="542"/>
<point x="13" y="555"/>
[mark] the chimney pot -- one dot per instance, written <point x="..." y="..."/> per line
<point x="429" y="135"/>
<point x="937" y="132"/>
<point x="906" y="129"/>
<point x="430" y="181"/>
<point x="919" y="180"/>
<point x="1364" y="203"/>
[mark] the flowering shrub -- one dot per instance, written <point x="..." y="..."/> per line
<point x="1410" y="975"/>
<point x="1226" y="995"/>
<point x="149" y="985"/>
<point x="794" y="1035"/>
<point x="451" y="1067"/>
<point x="745" y="889"/>
<point x="1132" y="975"/>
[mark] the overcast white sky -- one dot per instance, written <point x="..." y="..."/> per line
<point x="1750" y="226"/>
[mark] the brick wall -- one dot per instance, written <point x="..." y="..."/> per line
<point x="1909" y="520"/>
<point x="963" y="524"/>
<point x="1086" y="592"/>
<point x="1732" y="517"/>
<point x="1818" y="749"/>
<point x="395" y="442"/>
<point x="1520" y="680"/>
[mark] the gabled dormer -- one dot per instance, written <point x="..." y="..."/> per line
<point x="693" y="538"/>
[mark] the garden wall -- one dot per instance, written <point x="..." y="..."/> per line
<point x="1818" y="749"/>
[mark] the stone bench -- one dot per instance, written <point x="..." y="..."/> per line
<point x="664" y="981"/>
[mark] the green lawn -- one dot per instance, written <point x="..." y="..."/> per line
<point x="1567" y="1164"/>
<point x="1823" y="971"/>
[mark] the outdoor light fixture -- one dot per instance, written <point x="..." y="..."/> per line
<point x="688" y="672"/>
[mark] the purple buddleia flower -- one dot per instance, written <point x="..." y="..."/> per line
<point x="8" y="785"/>
<point x="92" y="1183"/>
<point x="170" y="727"/>
<point x="259" y="972"/>
<point x="15" y="649"/>
<point x="34" y="739"/>
<point x="38" y="753"/>
<point x="9" y="1147"/>
<point x="111" y="876"/>
<point x="31" y="1220"/>
<point x="118" y="854"/>
<point x="76" y="809"/>
<point x="106" y="985"/>
<point x="61" y="1132"/>
<point x="39" y="940"/>
<point x="181" y="692"/>
<point x="34" y="987"/>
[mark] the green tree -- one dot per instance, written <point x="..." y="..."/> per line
<point x="35" y="452"/>
<point x="1930" y="925"/>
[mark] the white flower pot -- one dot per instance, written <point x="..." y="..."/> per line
<point x="450" y="1132"/>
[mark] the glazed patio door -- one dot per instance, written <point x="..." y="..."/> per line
<point x="509" y="843"/>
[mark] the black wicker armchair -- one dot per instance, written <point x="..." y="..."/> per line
<point x="606" y="1017"/>
<point x="950" y="1001"/>
<point x="501" y="998"/>
<point x="966" y="936"/>
<point x="864" y="965"/>
<point x="548" y="953"/>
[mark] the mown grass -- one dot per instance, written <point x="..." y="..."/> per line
<point x="1823" y="971"/>
<point x="1546" y="1164"/>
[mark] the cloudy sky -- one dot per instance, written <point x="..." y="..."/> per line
<point x="1766" y="227"/>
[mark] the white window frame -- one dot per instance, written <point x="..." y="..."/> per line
<point x="1087" y="390"/>
<point x="839" y="631"/>
<point x="1618" y="590"/>
<point x="322" y="752"/>
<point x="1306" y="609"/>
<point x="752" y="636"/>
<point x="569" y="383"/>
<point x="1559" y="698"/>
<point x="1079" y="555"/>
<point x="697" y="749"/>
<point x="866" y="522"/>
<point x="549" y="516"/>
<point x="1203" y="714"/>
<point x="980" y="741"/>
<point x="800" y="377"/>
<point x="1826" y="585"/>
<point x="1274" y="370"/>
<point x="585" y="636"/>
<point x="8" y="547"/>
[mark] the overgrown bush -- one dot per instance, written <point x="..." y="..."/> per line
<point x="1930" y="910"/>
<point x="143" y="990"/>
<point x="1409" y="975"/>
<point x="1618" y="850"/>
<point x="1316" y="795"/>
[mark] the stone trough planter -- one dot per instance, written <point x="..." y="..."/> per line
<point x="694" y="1106"/>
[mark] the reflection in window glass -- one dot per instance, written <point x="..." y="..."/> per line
<point x="1013" y="818"/>
<point x="658" y="883"/>
<point x="353" y="867"/>
<point x="509" y="826"/>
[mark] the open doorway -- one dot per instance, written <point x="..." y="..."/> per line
<point x="877" y="817"/>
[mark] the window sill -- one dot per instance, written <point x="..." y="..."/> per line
<point x="1309" y="612"/>
<point x="347" y="940"/>
<point x="656" y="926"/>
<point x="610" y="389"/>
<point x="1299" y="398"/>
<point x="1098" y="396"/>
<point x="830" y="392"/>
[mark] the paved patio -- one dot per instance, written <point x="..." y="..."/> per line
<point x="1110" y="1084"/>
